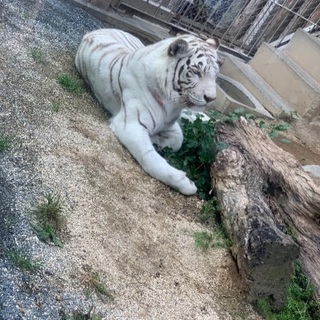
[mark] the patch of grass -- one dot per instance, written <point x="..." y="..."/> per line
<point x="46" y="233"/>
<point x="5" y="143"/>
<point x="50" y="211"/>
<point x="216" y="239"/>
<point x="300" y="304"/>
<point x="77" y="315"/>
<point x="210" y="210"/>
<point x="203" y="240"/>
<point x="83" y="316"/>
<point x="288" y="230"/>
<point x="93" y="284"/>
<point x="51" y="219"/>
<point x="70" y="83"/>
<point x="26" y="15"/>
<point x="56" y="106"/>
<point x="22" y="260"/>
<point x="38" y="55"/>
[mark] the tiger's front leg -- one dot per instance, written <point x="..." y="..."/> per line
<point x="172" y="138"/>
<point x="136" y="139"/>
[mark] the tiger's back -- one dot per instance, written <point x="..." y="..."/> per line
<point x="97" y="60"/>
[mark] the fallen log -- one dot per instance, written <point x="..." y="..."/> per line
<point x="270" y="210"/>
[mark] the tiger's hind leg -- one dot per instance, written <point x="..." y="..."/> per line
<point x="172" y="138"/>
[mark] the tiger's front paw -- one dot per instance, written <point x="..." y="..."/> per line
<point x="184" y="184"/>
<point x="189" y="188"/>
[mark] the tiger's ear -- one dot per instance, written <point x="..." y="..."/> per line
<point x="178" y="47"/>
<point x="215" y="43"/>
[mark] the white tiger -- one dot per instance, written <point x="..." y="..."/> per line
<point x="145" y="89"/>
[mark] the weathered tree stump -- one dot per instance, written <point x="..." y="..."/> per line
<point x="270" y="210"/>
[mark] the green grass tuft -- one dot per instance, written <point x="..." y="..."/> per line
<point x="210" y="210"/>
<point x="203" y="240"/>
<point x="56" y="106"/>
<point x="82" y="316"/>
<point x="22" y="260"/>
<point x="216" y="239"/>
<point x="5" y="143"/>
<point x="38" y="55"/>
<point x="50" y="211"/>
<point x="51" y="219"/>
<point x="77" y="315"/>
<point x="70" y="83"/>
<point x="93" y="284"/>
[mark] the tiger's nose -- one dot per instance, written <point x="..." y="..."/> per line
<point x="208" y="99"/>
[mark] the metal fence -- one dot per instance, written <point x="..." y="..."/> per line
<point x="242" y="25"/>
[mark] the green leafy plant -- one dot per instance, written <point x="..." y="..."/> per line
<point x="93" y="284"/>
<point x="275" y="129"/>
<point x="236" y="114"/>
<point x="22" y="260"/>
<point x="5" y="143"/>
<point x="199" y="148"/>
<point x="300" y="304"/>
<point x="38" y="55"/>
<point x="70" y="83"/>
<point x="51" y="220"/>
<point x="196" y="154"/>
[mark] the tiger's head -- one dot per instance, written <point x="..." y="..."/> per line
<point x="195" y="70"/>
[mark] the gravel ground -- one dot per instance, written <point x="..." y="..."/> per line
<point x="133" y="231"/>
<point x="50" y="25"/>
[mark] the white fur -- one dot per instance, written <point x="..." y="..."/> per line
<point x="139" y="86"/>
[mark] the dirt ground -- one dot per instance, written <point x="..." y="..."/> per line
<point x="135" y="232"/>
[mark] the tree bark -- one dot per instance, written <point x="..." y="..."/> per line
<point x="270" y="210"/>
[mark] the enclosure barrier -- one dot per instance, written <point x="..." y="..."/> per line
<point x="242" y="25"/>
